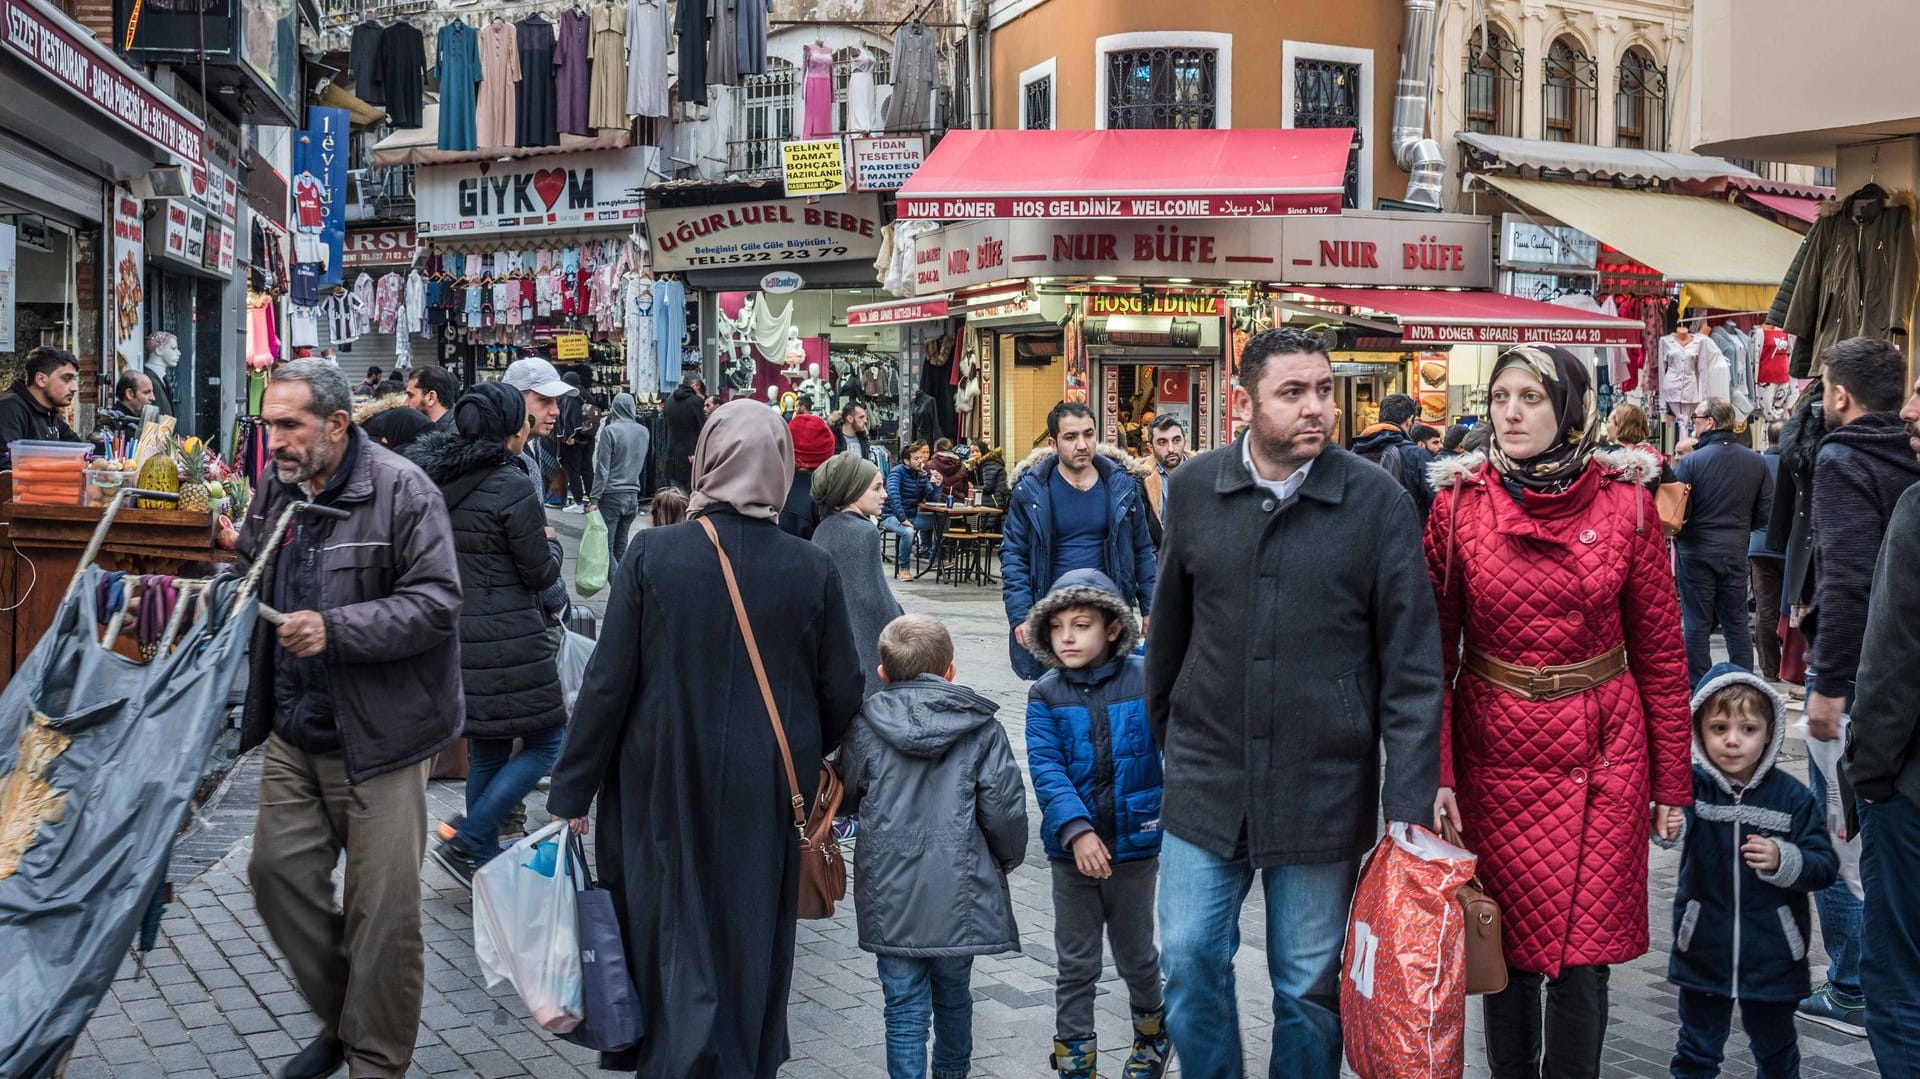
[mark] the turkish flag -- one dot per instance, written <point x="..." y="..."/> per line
<point x="1175" y="388"/>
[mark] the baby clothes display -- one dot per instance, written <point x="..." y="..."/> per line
<point x="500" y="71"/>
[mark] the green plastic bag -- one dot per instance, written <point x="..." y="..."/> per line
<point x="590" y="575"/>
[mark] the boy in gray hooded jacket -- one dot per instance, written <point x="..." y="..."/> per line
<point x="943" y="818"/>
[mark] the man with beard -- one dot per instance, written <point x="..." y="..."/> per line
<point x="1865" y="464"/>
<point x="31" y="408"/>
<point x="353" y="695"/>
<point x="1168" y="441"/>
<point x="1292" y="640"/>
<point x="1075" y="506"/>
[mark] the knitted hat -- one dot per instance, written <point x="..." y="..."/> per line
<point x="812" y="441"/>
<point x="841" y="481"/>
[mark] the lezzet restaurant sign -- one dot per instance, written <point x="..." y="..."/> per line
<point x="1387" y="249"/>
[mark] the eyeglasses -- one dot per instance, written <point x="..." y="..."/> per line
<point x="1700" y="416"/>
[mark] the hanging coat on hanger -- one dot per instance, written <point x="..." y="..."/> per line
<point x="608" y="108"/>
<point x="690" y="22"/>
<point x="647" y="57"/>
<point x="723" y="59"/>
<point x="916" y="64"/>
<point x="362" y="55"/>
<point x="401" y="69"/>
<point x="456" y="68"/>
<point x="573" y="72"/>
<point x="750" y="36"/>
<point x="500" y="71"/>
<point x="536" y="121"/>
<point x="1856" y="279"/>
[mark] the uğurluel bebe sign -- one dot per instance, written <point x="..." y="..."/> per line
<point x="830" y="229"/>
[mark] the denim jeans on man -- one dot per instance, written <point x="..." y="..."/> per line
<point x="619" y="509"/>
<point x="497" y="778"/>
<point x="1707" y="1018"/>
<point x="1713" y="586"/>
<point x="1200" y="899"/>
<point x="921" y="992"/>
<point x="903" y="537"/>
<point x="1890" y="938"/>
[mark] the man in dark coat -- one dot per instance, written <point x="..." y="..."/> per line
<point x="1864" y="465"/>
<point x="1732" y="495"/>
<point x="30" y="410"/>
<point x="353" y="695"/>
<point x="1293" y="637"/>
<point x="1390" y="445"/>
<point x="695" y="826"/>
<point x="686" y="412"/>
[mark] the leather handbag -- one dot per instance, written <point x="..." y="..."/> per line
<point x="1671" y="500"/>
<point x="823" y="870"/>
<point x="1486" y="956"/>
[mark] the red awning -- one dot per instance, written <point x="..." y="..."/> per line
<point x="1429" y="317"/>
<point x="1107" y="174"/>
<point x="1805" y="209"/>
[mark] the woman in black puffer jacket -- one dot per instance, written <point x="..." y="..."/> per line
<point x="507" y="663"/>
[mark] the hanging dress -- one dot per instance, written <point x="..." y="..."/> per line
<point x="456" y="67"/>
<point x="647" y="57"/>
<point x="863" y="114"/>
<point x="817" y="93"/>
<point x="533" y="97"/>
<point x="573" y="72"/>
<point x="608" y="107"/>
<point x="500" y="71"/>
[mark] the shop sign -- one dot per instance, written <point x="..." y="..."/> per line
<point x="157" y="28"/>
<point x="320" y="156"/>
<point x="893" y="314"/>
<point x="51" y="42"/>
<point x="1399" y="249"/>
<point x="813" y="167"/>
<point x="570" y="346"/>
<point x="379" y="247"/>
<point x="7" y="270"/>
<point x="1030" y="208"/>
<point x="225" y="263"/>
<point x="1178" y="306"/>
<point x="884" y="164"/>
<point x="596" y="189"/>
<point x="1452" y="333"/>
<point x="1524" y="243"/>
<point x="833" y="229"/>
<point x="127" y="316"/>
<point x="781" y="282"/>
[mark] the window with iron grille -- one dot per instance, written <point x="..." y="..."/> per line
<point x="1572" y="89"/>
<point x="1495" y="70"/>
<point x="1640" y="103"/>
<point x="1161" y="88"/>
<point x="1036" y="104"/>
<point x="1326" y="93"/>
<point x="766" y="118"/>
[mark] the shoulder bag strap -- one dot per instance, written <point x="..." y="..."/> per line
<point x="760" y="675"/>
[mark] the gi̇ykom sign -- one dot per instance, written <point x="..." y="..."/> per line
<point x="815" y="167"/>
<point x="1390" y="249"/>
<point x="884" y="164"/>
<point x="568" y="191"/>
<point x="379" y="247"/>
<point x="835" y="228"/>
<point x="57" y="46"/>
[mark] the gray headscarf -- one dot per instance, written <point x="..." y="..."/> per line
<point x="744" y="459"/>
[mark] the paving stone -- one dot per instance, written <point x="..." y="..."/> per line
<point x="124" y="1051"/>
<point x="236" y="1063"/>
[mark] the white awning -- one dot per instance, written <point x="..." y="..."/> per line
<point x="1601" y="160"/>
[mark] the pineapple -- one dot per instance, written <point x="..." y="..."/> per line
<point x="194" y="496"/>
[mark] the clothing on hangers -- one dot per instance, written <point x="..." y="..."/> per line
<point x="363" y="62"/>
<point x="400" y="71"/>
<point x="457" y="69"/>
<point x="607" y="107"/>
<point x="495" y="115"/>
<point x="647" y="31"/>
<point x="573" y="72"/>
<point x="536" y="118"/>
<point x="816" y="92"/>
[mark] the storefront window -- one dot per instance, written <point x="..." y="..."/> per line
<point x="269" y="42"/>
<point x="1161" y="88"/>
<point x="770" y="346"/>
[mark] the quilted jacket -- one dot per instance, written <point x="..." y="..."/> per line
<point x="1555" y="793"/>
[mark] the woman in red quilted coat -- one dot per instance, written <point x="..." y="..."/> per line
<point x="1546" y="554"/>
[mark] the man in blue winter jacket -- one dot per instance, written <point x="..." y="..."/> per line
<point x="1073" y="507"/>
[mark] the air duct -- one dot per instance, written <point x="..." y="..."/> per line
<point x="1412" y="150"/>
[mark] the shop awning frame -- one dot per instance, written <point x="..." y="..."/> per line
<point x="1600" y="160"/>
<point x="1247" y="172"/>
<point x="1441" y="317"/>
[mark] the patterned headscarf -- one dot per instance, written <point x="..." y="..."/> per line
<point x="1570" y="389"/>
<point x="744" y="459"/>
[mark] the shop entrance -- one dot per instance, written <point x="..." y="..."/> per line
<point x="1133" y="392"/>
<point x="1358" y="389"/>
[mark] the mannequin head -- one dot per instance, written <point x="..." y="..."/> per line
<point x="163" y="350"/>
<point x="813" y="370"/>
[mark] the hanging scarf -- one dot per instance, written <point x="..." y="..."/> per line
<point x="1570" y="389"/>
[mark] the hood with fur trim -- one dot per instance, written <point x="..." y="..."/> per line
<point x="365" y="409"/>
<point x="1081" y="588"/>
<point x="445" y="456"/>
<point x="1717" y="679"/>
<point x="1625" y="464"/>
<point x="1113" y="453"/>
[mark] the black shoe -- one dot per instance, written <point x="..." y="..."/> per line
<point x="455" y="861"/>
<point x="321" y="1058"/>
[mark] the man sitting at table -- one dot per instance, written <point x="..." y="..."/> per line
<point x="30" y="409"/>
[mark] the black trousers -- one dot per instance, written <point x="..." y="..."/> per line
<point x="1705" y="1021"/>
<point x="1567" y="1045"/>
<point x="578" y="459"/>
<point x="1766" y="574"/>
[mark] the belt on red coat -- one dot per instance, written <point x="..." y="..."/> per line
<point x="1548" y="683"/>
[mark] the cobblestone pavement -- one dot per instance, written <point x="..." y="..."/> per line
<point x="215" y="998"/>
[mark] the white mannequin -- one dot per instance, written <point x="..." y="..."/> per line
<point x="968" y="395"/>
<point x="815" y="390"/>
<point x="1683" y="371"/>
<point x="163" y="355"/>
<point x="796" y="355"/>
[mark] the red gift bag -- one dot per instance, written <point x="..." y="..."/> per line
<point x="1403" y="984"/>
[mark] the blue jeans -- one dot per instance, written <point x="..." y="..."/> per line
<point x="1707" y="1018"/>
<point x="921" y="990"/>
<point x="903" y="538"/>
<point x="1839" y="918"/>
<point x="1200" y="898"/>
<point x="620" y="510"/>
<point x="497" y="778"/>
<point x="1890" y="963"/>
<point x="1713" y="587"/>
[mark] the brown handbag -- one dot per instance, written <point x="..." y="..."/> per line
<point x="823" y="871"/>
<point x="1671" y="500"/>
<point x="1486" y="957"/>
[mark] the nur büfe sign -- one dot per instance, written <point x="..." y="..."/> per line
<point x="601" y="188"/>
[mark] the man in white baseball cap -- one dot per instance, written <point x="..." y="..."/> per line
<point x="542" y="388"/>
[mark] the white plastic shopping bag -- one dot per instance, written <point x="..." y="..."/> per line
<point x="524" y="930"/>
<point x="1826" y="756"/>
<point x="575" y="650"/>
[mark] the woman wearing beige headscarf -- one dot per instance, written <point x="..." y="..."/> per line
<point x="695" y="834"/>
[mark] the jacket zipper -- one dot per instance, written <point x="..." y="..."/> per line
<point x="1106" y="801"/>
<point x="1734" y="989"/>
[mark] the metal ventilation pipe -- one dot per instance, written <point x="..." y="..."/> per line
<point x="1412" y="150"/>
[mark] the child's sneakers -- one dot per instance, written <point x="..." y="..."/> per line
<point x="1075" y="1059"/>
<point x="1152" y="1049"/>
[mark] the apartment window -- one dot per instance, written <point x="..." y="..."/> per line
<point x="1823" y="176"/>
<point x="1495" y="70"/>
<point x="766" y="118"/>
<point x="1036" y="104"/>
<point x="1640" y="103"/>
<point x="1326" y="93"/>
<point x="1162" y="88"/>
<point x="1571" y="91"/>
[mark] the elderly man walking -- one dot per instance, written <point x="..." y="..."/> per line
<point x="353" y="695"/>
<point x="1292" y="639"/>
<point x="1732" y="495"/>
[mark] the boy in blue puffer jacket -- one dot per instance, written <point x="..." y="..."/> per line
<point x="1096" y="773"/>
<point x="1756" y="847"/>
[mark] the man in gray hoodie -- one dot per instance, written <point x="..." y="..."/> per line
<point x="619" y="461"/>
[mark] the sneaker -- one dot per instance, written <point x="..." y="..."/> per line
<point x="575" y="508"/>
<point x="456" y="862"/>
<point x="447" y="829"/>
<point x="1828" y="1009"/>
